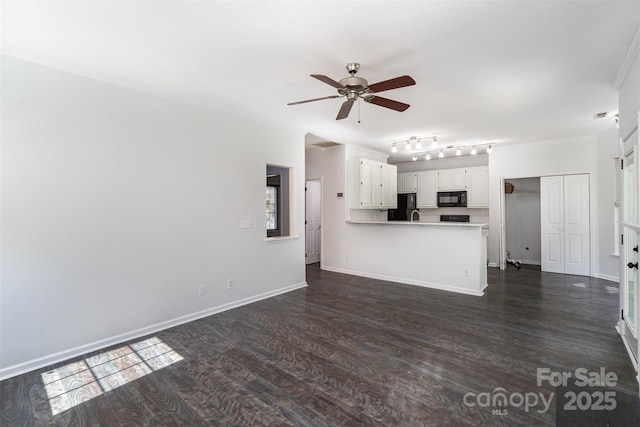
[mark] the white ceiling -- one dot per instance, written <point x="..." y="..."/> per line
<point x="508" y="71"/>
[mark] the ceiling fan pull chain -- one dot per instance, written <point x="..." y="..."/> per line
<point x="358" y="110"/>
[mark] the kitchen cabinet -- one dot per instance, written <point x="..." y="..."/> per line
<point x="372" y="185"/>
<point x="452" y="179"/>
<point x="407" y="182"/>
<point x="478" y="187"/>
<point x="389" y="186"/>
<point x="427" y="189"/>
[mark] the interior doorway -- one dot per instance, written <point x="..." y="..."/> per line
<point x="313" y="220"/>
<point x="522" y="220"/>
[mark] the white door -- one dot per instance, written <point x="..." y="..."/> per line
<point x="552" y="223"/>
<point x="564" y="217"/>
<point x="313" y="220"/>
<point x="576" y="225"/>
<point x="629" y="284"/>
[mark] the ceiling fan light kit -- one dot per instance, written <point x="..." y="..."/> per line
<point x="355" y="87"/>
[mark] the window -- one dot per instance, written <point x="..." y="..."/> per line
<point x="273" y="201"/>
<point x="278" y="201"/>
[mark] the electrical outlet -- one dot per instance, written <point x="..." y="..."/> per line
<point x="346" y="257"/>
<point x="466" y="272"/>
<point x="202" y="290"/>
<point x="231" y="283"/>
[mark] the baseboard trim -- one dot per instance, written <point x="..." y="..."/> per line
<point x="492" y="264"/>
<point x="41" y="362"/>
<point x="530" y="262"/>
<point x="607" y="277"/>
<point x="430" y="285"/>
<point x="620" y="328"/>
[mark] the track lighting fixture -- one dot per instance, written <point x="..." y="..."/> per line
<point x="414" y="144"/>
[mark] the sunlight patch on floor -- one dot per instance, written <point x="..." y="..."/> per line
<point x="78" y="382"/>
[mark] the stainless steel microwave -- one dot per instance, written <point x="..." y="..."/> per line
<point x="452" y="199"/>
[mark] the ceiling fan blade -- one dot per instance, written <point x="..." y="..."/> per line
<point x="388" y="103"/>
<point x="328" y="81"/>
<point x="314" y="99"/>
<point x="345" y="109"/>
<point x="396" y="83"/>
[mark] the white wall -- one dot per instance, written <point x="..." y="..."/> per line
<point x="451" y="162"/>
<point x="559" y="157"/>
<point x="116" y="205"/>
<point x="327" y="164"/>
<point x="339" y="239"/>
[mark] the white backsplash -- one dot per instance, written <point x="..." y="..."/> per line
<point x="475" y="215"/>
<point x="426" y="215"/>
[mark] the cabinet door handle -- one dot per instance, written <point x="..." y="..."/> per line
<point x="635" y="249"/>
<point x="632" y="265"/>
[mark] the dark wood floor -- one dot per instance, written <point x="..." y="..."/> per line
<point x="354" y="351"/>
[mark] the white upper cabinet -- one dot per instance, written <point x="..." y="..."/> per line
<point x="427" y="189"/>
<point x="407" y="182"/>
<point x="478" y="187"/>
<point x="389" y="186"/>
<point x="372" y="185"/>
<point x="452" y="179"/>
<point x="365" y="183"/>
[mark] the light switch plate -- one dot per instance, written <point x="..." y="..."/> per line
<point x="245" y="223"/>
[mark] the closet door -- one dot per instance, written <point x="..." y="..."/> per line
<point x="576" y="224"/>
<point x="552" y="223"/>
<point x="564" y="216"/>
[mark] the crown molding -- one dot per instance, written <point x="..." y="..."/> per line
<point x="631" y="55"/>
<point x="629" y="128"/>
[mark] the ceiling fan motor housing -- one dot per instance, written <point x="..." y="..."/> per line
<point x="354" y="83"/>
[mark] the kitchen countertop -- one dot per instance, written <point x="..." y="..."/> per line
<point x="447" y="224"/>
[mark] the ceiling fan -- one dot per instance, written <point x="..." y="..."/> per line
<point x="356" y="87"/>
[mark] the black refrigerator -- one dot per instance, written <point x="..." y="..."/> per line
<point x="406" y="204"/>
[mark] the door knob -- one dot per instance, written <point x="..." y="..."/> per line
<point x="632" y="265"/>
